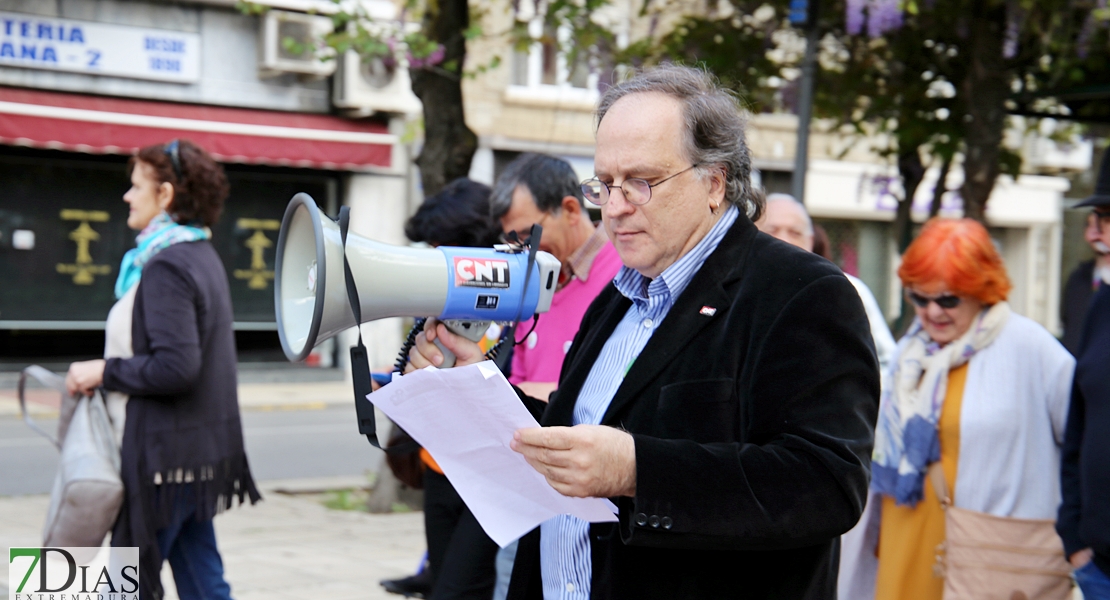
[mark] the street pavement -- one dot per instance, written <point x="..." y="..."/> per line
<point x="287" y="546"/>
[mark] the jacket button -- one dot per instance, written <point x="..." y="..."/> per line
<point x="653" y="521"/>
<point x="641" y="519"/>
<point x="667" y="523"/>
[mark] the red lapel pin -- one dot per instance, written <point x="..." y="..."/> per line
<point x="708" y="311"/>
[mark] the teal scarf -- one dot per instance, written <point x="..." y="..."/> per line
<point x="161" y="233"/>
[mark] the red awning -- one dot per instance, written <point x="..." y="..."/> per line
<point x="102" y="125"/>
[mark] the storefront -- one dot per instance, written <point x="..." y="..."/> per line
<point x="63" y="225"/>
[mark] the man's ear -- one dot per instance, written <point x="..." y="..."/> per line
<point x="572" y="207"/>
<point x="718" y="185"/>
<point x="165" y="196"/>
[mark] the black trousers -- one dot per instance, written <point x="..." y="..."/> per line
<point x="461" y="556"/>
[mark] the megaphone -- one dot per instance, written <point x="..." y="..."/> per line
<point x="451" y="283"/>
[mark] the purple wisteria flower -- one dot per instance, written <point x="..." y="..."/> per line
<point x="1082" y="43"/>
<point x="883" y="16"/>
<point x="431" y="60"/>
<point x="1015" y="20"/>
<point x="853" y="16"/>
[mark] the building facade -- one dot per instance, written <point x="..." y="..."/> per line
<point x="85" y="83"/>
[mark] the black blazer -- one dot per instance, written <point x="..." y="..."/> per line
<point x="753" y="430"/>
<point x="1077" y="299"/>
<point x="1084" y="517"/>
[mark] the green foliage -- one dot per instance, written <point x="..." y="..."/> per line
<point x="910" y="86"/>
<point x="292" y="46"/>
<point x="250" y="8"/>
<point x="393" y="42"/>
<point x="346" y="499"/>
<point x="737" y="49"/>
<point x="584" y="34"/>
<point x="1010" y="162"/>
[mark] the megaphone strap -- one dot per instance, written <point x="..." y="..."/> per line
<point x="360" y="364"/>
<point x="533" y="247"/>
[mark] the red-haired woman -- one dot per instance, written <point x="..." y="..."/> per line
<point x="171" y="348"/>
<point x="974" y="386"/>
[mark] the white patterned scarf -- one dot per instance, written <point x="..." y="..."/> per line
<point x="906" y="437"/>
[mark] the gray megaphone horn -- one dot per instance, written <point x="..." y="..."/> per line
<point x="460" y="285"/>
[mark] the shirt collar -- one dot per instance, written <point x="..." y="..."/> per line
<point x="674" y="279"/>
<point x="581" y="260"/>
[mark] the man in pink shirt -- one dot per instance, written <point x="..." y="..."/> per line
<point x="537" y="188"/>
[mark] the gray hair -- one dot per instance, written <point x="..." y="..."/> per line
<point x="715" y="126"/>
<point x="780" y="197"/>
<point x="548" y="179"/>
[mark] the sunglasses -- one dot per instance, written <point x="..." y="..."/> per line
<point x="945" y="301"/>
<point x="171" y="150"/>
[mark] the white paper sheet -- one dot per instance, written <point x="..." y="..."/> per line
<point x="465" y="417"/>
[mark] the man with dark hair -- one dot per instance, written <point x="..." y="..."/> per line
<point x="722" y="393"/>
<point x="542" y="189"/>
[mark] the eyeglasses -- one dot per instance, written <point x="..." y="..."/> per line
<point x="171" y="150"/>
<point x="637" y="191"/>
<point x="945" y="301"/>
<point x="521" y="238"/>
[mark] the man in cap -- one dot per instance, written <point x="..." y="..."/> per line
<point x="1089" y="276"/>
<point x="1084" y="519"/>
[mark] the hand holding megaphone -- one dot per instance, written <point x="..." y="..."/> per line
<point x="438" y="344"/>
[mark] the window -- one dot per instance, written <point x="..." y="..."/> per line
<point x="543" y="72"/>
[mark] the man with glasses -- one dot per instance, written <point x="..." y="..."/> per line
<point x="722" y="393"/>
<point x="1090" y="275"/>
<point x="543" y="190"/>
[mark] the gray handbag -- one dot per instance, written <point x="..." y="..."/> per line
<point x="88" y="491"/>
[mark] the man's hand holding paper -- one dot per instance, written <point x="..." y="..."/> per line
<point x="584" y="461"/>
<point x="466" y="417"/>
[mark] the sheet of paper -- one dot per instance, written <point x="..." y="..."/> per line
<point x="466" y="417"/>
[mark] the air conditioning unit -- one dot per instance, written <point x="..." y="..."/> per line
<point x="378" y="86"/>
<point x="276" y="57"/>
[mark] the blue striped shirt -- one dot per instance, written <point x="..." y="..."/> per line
<point x="565" y="540"/>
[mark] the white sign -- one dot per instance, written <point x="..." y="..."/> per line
<point x="98" y="48"/>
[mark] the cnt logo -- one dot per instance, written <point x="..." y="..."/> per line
<point x="73" y="573"/>
<point x="481" y="272"/>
